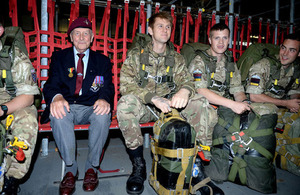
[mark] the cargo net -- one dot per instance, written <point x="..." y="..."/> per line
<point x="120" y="23"/>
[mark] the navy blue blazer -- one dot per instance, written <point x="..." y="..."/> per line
<point x="97" y="83"/>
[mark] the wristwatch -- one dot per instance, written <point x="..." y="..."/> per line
<point x="4" y="109"/>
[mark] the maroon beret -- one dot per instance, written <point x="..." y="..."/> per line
<point x="80" y="23"/>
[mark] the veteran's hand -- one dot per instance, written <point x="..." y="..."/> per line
<point x="101" y="107"/>
<point x="57" y="107"/>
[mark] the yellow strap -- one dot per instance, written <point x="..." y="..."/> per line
<point x="231" y="74"/>
<point x="161" y="190"/>
<point x="175" y="153"/>
<point x="287" y="155"/>
<point x="201" y="184"/>
<point x="212" y="75"/>
<point x="181" y="177"/>
<point x="275" y="82"/>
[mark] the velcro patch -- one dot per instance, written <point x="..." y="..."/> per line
<point x="255" y="79"/>
<point x="33" y="75"/>
<point x="197" y="75"/>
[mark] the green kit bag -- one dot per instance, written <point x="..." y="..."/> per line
<point x="244" y="147"/>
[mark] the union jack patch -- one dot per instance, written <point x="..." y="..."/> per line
<point x="33" y="75"/>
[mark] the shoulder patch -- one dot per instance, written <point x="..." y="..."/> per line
<point x="33" y="75"/>
<point x="197" y="75"/>
<point x="255" y="79"/>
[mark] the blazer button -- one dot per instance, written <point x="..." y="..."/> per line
<point x="74" y="102"/>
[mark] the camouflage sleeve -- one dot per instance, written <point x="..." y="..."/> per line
<point x="23" y="74"/>
<point x="182" y="77"/>
<point x="295" y="89"/>
<point x="258" y="77"/>
<point x="129" y="77"/>
<point x="197" y="68"/>
<point x="236" y="83"/>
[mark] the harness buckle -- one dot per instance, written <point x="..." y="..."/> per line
<point x="158" y="79"/>
<point x="12" y="92"/>
<point x="286" y="154"/>
<point x="179" y="153"/>
<point x="239" y="137"/>
<point x="249" y="142"/>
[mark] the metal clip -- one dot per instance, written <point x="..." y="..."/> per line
<point x="180" y="152"/>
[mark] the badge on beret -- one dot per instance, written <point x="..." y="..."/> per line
<point x="97" y="84"/>
<point x="33" y="75"/>
<point x="70" y="70"/>
<point x="197" y="75"/>
<point x="255" y="79"/>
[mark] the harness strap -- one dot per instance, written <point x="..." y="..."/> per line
<point x="285" y="155"/>
<point x="180" y="153"/>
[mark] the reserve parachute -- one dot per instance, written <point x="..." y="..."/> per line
<point x="254" y="53"/>
<point x="174" y="150"/>
<point x="287" y="154"/>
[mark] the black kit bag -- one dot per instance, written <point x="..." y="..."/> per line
<point x="174" y="150"/>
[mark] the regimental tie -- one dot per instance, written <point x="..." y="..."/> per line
<point x="79" y="77"/>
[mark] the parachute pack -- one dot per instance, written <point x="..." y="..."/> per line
<point x="287" y="154"/>
<point x="13" y="37"/>
<point x="254" y="53"/>
<point x="244" y="147"/>
<point x="174" y="150"/>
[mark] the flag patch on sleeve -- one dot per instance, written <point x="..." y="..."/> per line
<point x="197" y="75"/>
<point x="255" y="79"/>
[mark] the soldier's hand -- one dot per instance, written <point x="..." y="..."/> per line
<point x="161" y="103"/>
<point x="240" y="107"/>
<point x="293" y="105"/>
<point x="57" y="107"/>
<point x="101" y="107"/>
<point x="180" y="99"/>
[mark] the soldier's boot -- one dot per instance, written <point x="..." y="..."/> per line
<point x="135" y="182"/>
<point x="201" y="176"/>
<point x="11" y="186"/>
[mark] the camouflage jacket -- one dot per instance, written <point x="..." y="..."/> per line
<point x="197" y="65"/>
<point x="260" y="76"/>
<point x="129" y="76"/>
<point x="24" y="76"/>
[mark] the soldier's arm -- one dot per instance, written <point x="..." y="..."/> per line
<point x="237" y="107"/>
<point x="129" y="78"/>
<point x="292" y="104"/>
<point x="295" y="96"/>
<point x="182" y="77"/>
<point x="19" y="102"/>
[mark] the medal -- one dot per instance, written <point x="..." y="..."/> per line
<point x="70" y="72"/>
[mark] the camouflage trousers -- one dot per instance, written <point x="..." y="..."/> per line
<point x="198" y="113"/>
<point x="24" y="127"/>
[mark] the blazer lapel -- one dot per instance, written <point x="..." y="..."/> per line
<point x="71" y="70"/>
<point x="90" y="73"/>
